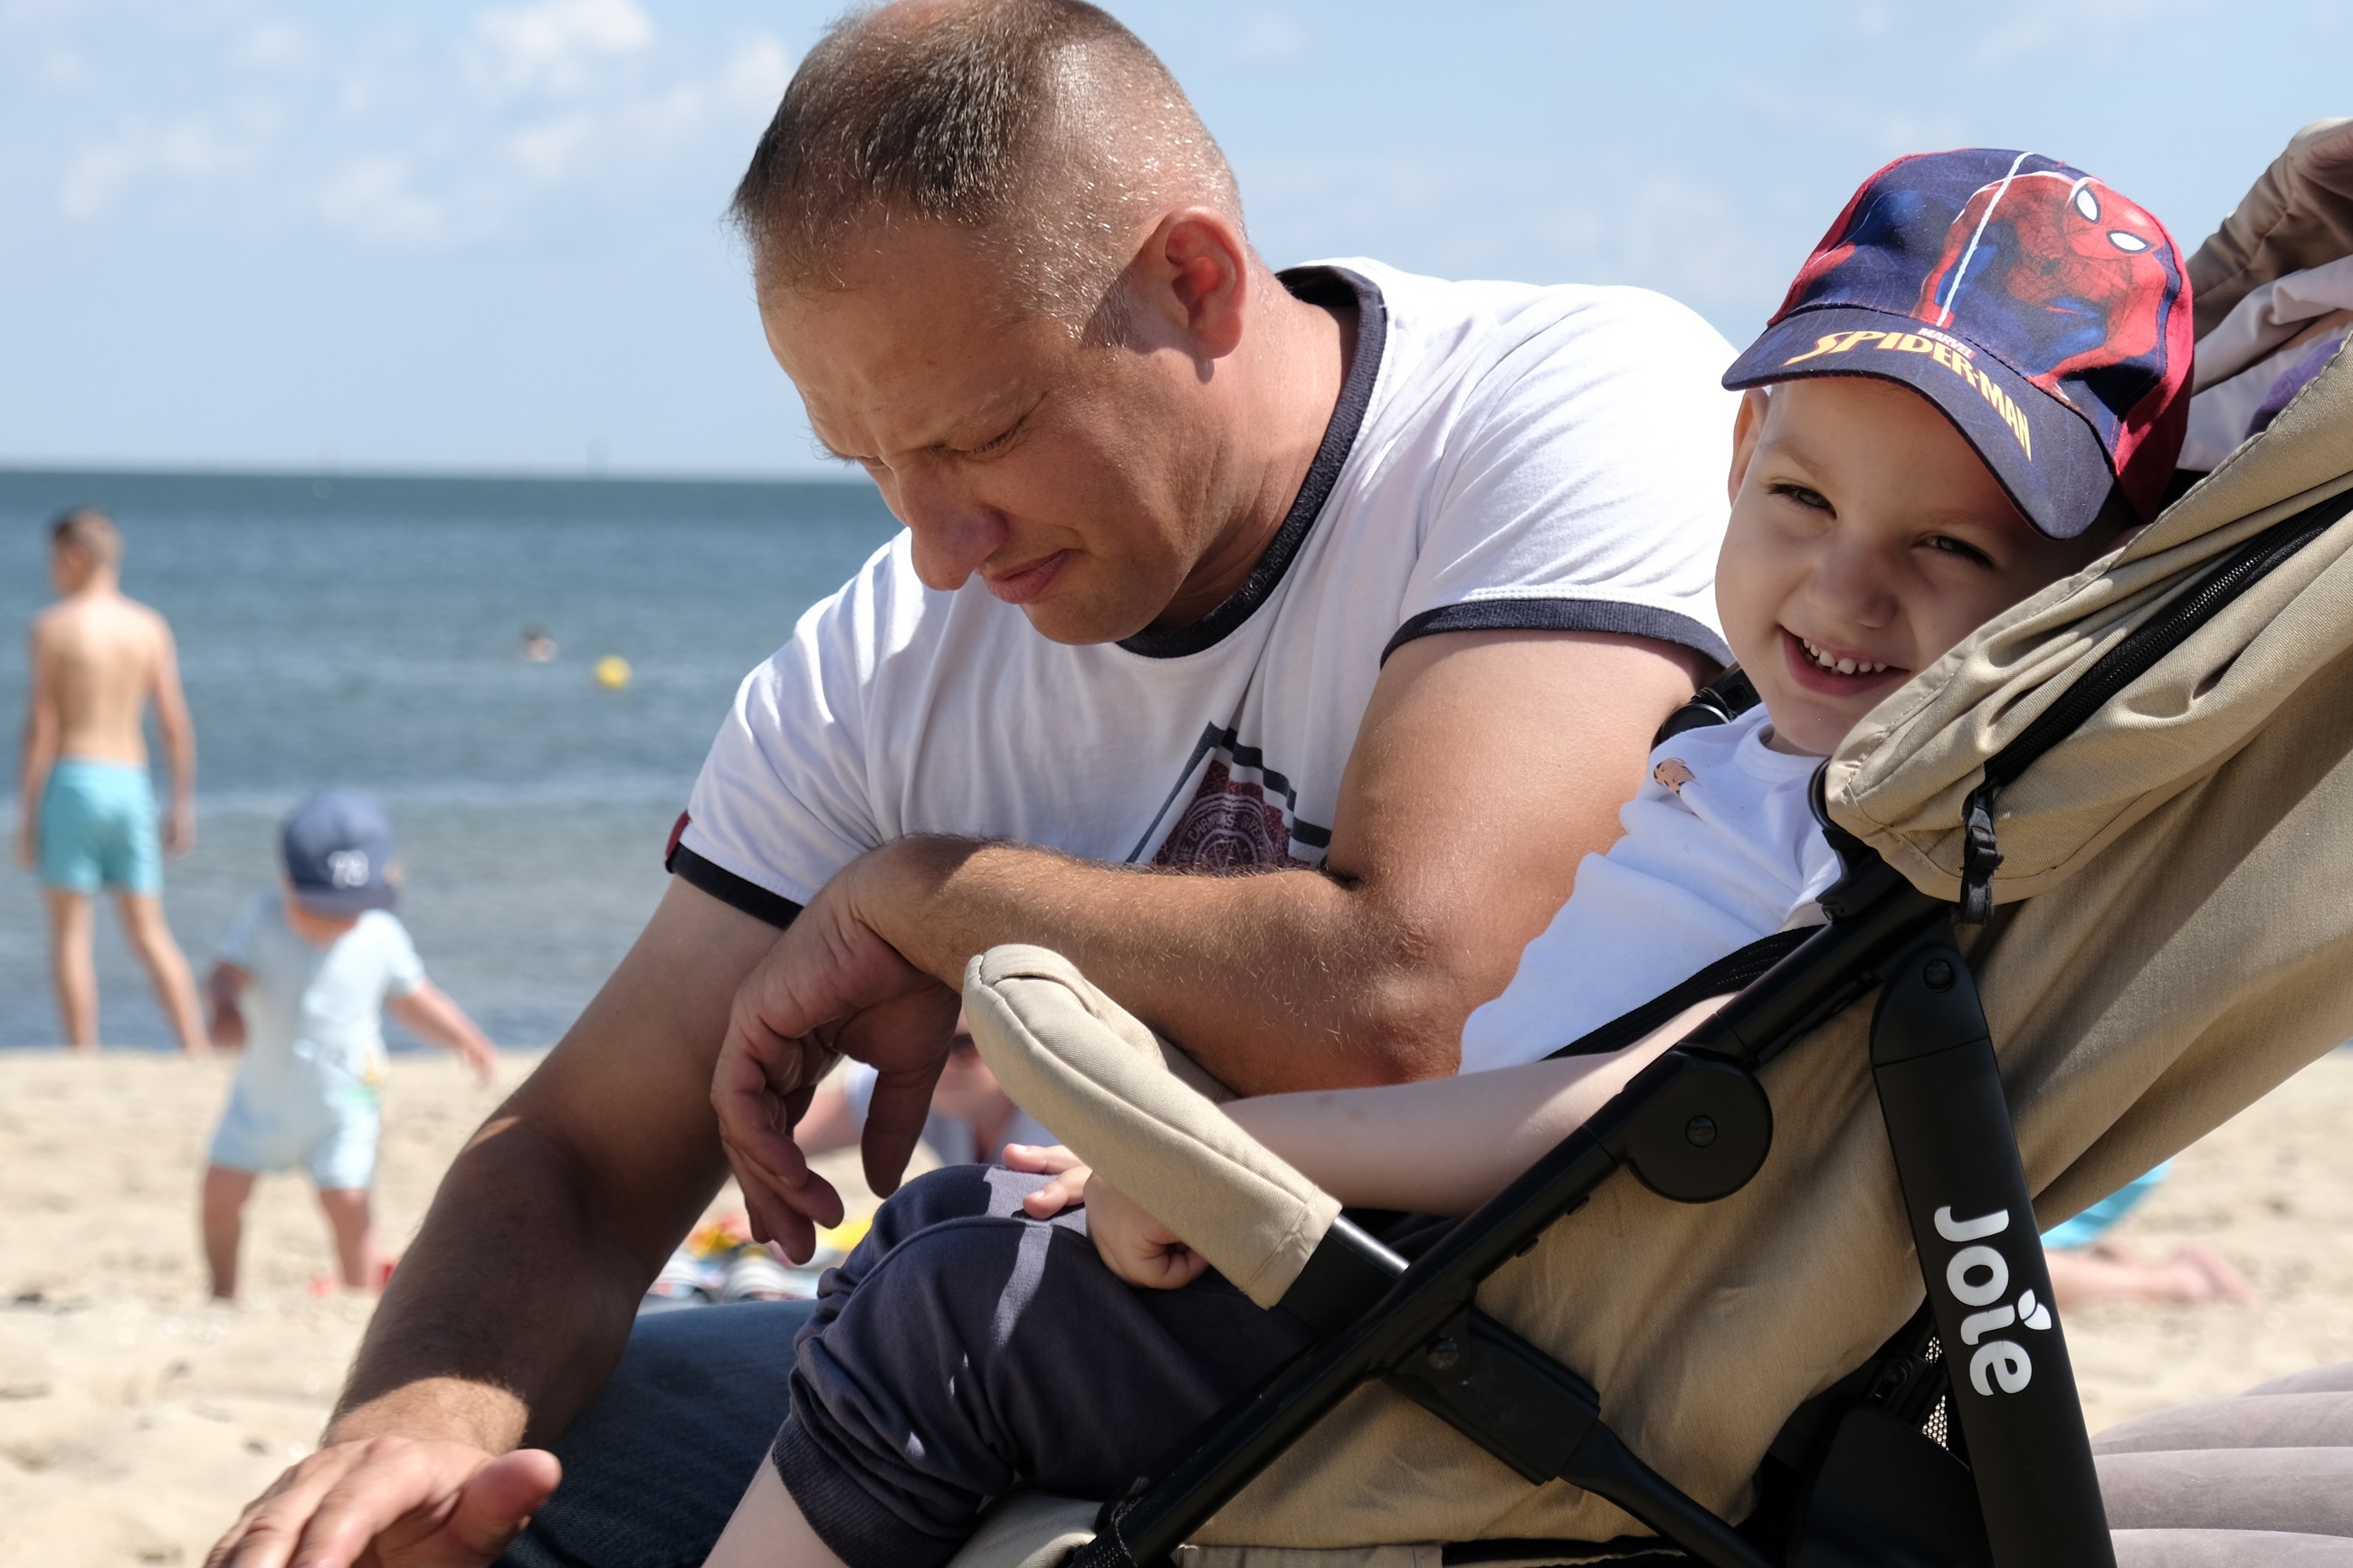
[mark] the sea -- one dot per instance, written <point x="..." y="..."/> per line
<point x="367" y="632"/>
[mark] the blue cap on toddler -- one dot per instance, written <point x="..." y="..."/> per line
<point x="338" y="850"/>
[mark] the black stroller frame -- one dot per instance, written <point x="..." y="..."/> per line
<point x="1960" y="1444"/>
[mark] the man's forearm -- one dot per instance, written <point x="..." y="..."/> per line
<point x="1275" y="981"/>
<point x="511" y="1239"/>
<point x="510" y="1307"/>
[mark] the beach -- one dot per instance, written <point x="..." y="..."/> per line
<point x="135" y="1418"/>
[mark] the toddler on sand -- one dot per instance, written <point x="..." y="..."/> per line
<point x="1974" y="388"/>
<point x="300" y="986"/>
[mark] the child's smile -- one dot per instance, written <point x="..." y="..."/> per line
<point x="1866" y="539"/>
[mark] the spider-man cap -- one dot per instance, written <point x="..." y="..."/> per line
<point x="2047" y="315"/>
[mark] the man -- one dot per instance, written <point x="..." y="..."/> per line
<point x="1275" y="647"/>
<point x="88" y="817"/>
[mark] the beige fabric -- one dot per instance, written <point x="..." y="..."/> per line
<point x="1899" y="779"/>
<point x="2204" y="958"/>
<point x="1137" y="1111"/>
<point x="2299" y="214"/>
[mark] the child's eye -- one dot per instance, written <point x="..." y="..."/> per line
<point x="1804" y="495"/>
<point x="1947" y="544"/>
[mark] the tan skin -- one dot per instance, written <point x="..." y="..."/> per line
<point x="99" y="658"/>
<point x="1862" y="522"/>
<point x="427" y="1012"/>
<point x="564" y="1207"/>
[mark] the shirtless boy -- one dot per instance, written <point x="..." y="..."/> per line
<point x="89" y="816"/>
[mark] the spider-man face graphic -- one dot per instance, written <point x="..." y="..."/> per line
<point x="2082" y="272"/>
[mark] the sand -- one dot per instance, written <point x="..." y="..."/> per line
<point x="136" y="1419"/>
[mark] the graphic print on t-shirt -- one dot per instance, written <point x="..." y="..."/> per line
<point x="1242" y="815"/>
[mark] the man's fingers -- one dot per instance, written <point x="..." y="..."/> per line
<point x="500" y="1500"/>
<point x="329" y="1507"/>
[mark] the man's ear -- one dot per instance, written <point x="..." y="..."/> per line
<point x="1748" y="427"/>
<point x="1192" y="274"/>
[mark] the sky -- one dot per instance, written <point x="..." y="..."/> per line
<point x="487" y="238"/>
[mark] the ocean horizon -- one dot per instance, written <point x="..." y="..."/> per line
<point x="365" y="630"/>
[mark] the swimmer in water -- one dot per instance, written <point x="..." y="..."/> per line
<point x="537" y="646"/>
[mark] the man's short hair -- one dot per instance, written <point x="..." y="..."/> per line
<point x="1044" y="126"/>
<point x="90" y="530"/>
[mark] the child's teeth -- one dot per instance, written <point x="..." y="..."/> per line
<point x="1846" y="667"/>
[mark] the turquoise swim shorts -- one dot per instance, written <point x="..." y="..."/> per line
<point x="97" y="828"/>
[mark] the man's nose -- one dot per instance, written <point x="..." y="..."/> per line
<point x="950" y="530"/>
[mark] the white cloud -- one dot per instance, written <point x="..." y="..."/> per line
<point x="756" y="77"/>
<point x="1273" y="37"/>
<point x="554" y="45"/>
<point x="376" y="199"/>
<point x="269" y="46"/>
<point x="547" y="150"/>
<point x="188" y="151"/>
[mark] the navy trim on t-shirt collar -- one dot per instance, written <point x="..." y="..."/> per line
<point x="1557" y="615"/>
<point x="1328" y="287"/>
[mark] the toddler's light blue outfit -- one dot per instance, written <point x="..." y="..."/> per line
<point x="306" y="1091"/>
<point x="97" y="827"/>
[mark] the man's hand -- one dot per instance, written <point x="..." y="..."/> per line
<point x="28" y="848"/>
<point x="1070" y="1172"/>
<point x="1134" y="1245"/>
<point x="227" y="1026"/>
<point x="180" y="831"/>
<point x="831" y="987"/>
<point x="390" y="1502"/>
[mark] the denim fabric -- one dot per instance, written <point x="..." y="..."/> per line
<point x="656" y="1463"/>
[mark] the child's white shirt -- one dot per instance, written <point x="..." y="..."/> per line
<point x="1721" y="848"/>
<point x="313" y="1016"/>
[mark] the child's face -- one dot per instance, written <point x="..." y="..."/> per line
<point x="1866" y="539"/>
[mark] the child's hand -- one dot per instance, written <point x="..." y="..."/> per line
<point x="1068" y="1185"/>
<point x="477" y="1053"/>
<point x="227" y="1028"/>
<point x="1134" y="1245"/>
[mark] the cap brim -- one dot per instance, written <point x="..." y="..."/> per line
<point x="2045" y="453"/>
<point x="346" y="900"/>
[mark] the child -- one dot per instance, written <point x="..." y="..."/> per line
<point x="298" y="986"/>
<point x="1974" y="386"/>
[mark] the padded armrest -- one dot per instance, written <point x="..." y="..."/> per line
<point x="1141" y="1112"/>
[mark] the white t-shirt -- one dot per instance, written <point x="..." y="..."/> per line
<point x="1502" y="456"/>
<point x="313" y="1016"/>
<point x="951" y="1137"/>
<point x="1721" y="849"/>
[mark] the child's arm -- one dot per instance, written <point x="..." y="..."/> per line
<point x="1440" y="1146"/>
<point x="223" y="986"/>
<point x="427" y="1013"/>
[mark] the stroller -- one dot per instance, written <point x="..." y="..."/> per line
<point x="2096" y="863"/>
